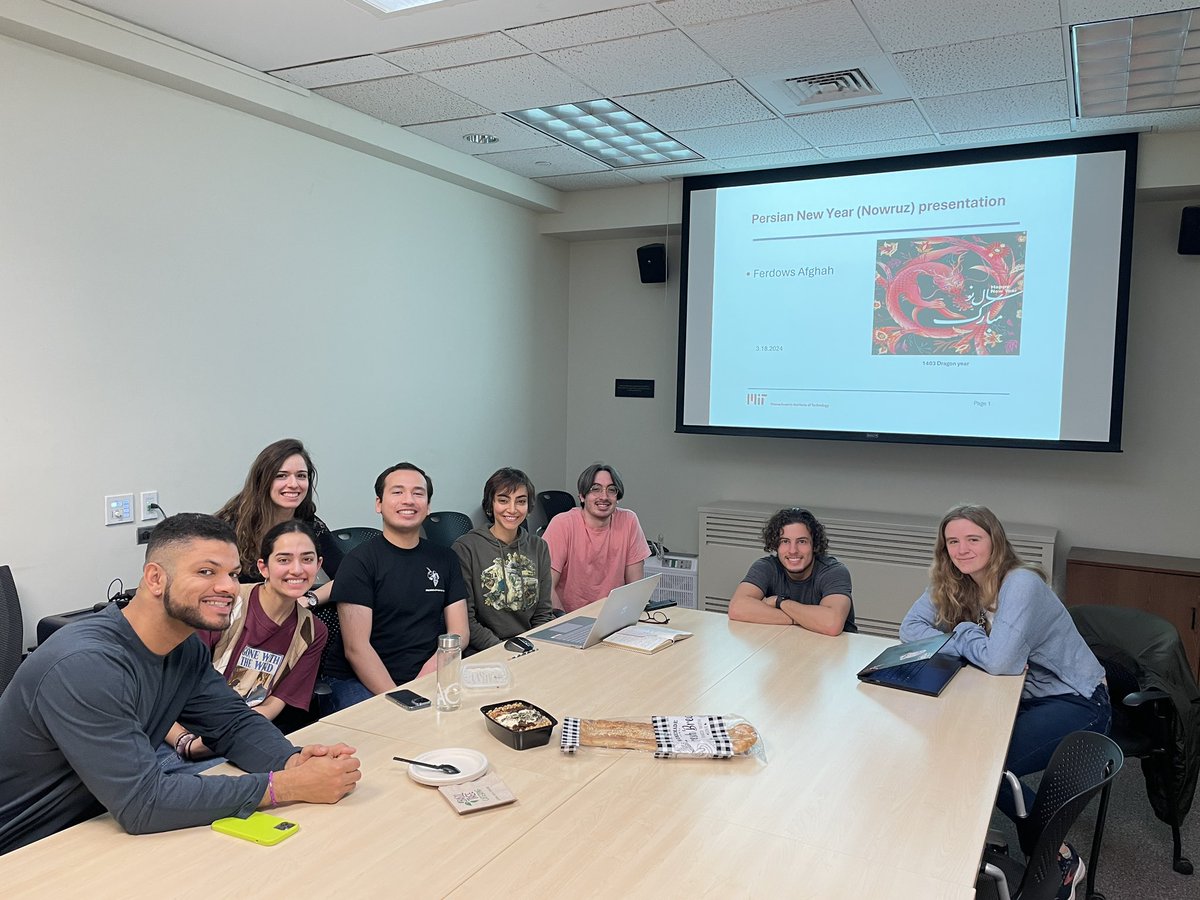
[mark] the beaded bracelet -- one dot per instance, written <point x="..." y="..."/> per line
<point x="271" y="789"/>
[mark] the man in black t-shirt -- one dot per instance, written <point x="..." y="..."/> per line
<point x="799" y="583"/>
<point x="395" y="594"/>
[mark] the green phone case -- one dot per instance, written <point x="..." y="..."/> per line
<point x="260" y="828"/>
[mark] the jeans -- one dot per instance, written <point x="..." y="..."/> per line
<point x="343" y="692"/>
<point x="171" y="764"/>
<point x="1042" y="722"/>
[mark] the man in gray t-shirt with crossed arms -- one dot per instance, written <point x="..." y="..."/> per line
<point x="799" y="583"/>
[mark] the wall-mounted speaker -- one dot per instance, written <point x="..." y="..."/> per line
<point x="652" y="263"/>
<point x="1189" y="231"/>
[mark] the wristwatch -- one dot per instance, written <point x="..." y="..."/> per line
<point x="779" y="602"/>
<point x="311" y="598"/>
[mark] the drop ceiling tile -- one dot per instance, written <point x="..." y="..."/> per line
<point x="1014" y="133"/>
<point x="512" y="135"/>
<point x="587" y="181"/>
<point x="742" y="140"/>
<point x="406" y="100"/>
<point x="651" y="174"/>
<point x="914" y="26"/>
<point x="802" y="40"/>
<point x="339" y="71"/>
<point x="984" y="65"/>
<point x="1165" y="120"/>
<point x="639" y="64"/>
<point x="1075" y="11"/>
<point x="443" y="55"/>
<point x="539" y="163"/>
<point x="700" y="12"/>
<point x="995" y="109"/>
<point x="522" y="82"/>
<point x="883" y="148"/>
<point x="702" y="106"/>
<point x="887" y="121"/>
<point x="771" y="160"/>
<point x="588" y="29"/>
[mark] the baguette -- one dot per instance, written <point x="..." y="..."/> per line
<point x="620" y="735"/>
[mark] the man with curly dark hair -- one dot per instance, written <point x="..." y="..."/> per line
<point x="799" y="583"/>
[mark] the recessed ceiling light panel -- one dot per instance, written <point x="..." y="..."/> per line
<point x="606" y="132"/>
<point x="1141" y="64"/>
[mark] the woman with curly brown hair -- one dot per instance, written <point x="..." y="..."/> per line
<point x="799" y="583"/>
<point x="281" y="485"/>
<point x="1006" y="620"/>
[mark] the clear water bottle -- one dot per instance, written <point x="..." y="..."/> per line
<point x="449" y="659"/>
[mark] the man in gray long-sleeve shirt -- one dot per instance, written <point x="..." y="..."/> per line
<point x="81" y="720"/>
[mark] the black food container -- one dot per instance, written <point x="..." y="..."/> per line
<point x="519" y="740"/>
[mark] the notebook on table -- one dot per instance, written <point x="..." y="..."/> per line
<point x="917" y="666"/>
<point x="622" y="608"/>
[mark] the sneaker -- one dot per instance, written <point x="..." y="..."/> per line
<point x="1073" y="874"/>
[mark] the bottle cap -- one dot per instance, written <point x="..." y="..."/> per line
<point x="449" y="642"/>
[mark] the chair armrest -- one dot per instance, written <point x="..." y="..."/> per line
<point x="1140" y="698"/>
<point x="1014" y="784"/>
<point x="322" y="689"/>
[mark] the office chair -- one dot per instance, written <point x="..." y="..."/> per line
<point x="553" y="503"/>
<point x="444" y="528"/>
<point x="349" y="538"/>
<point x="1156" y="706"/>
<point x="1083" y="765"/>
<point x="11" y="628"/>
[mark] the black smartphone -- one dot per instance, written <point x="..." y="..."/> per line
<point x="408" y="699"/>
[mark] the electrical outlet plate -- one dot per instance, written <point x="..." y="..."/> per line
<point x="148" y="514"/>
<point x="143" y="534"/>
<point x="118" y="509"/>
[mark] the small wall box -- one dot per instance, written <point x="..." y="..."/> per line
<point x="680" y="578"/>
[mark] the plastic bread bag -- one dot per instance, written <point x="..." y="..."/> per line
<point x="668" y="737"/>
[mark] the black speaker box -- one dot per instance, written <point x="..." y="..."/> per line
<point x="1189" y="232"/>
<point x="652" y="263"/>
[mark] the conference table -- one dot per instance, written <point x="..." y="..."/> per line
<point x="865" y="792"/>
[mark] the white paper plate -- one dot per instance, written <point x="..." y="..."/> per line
<point x="470" y="763"/>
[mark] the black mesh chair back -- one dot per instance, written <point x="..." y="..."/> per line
<point x="444" y="528"/>
<point x="555" y="502"/>
<point x="1079" y="769"/>
<point x="1082" y="766"/>
<point x="329" y="615"/>
<point x="12" y="628"/>
<point x="349" y="538"/>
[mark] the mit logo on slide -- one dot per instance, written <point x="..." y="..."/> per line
<point x="756" y="399"/>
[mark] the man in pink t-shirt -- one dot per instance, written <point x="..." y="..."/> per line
<point x="597" y="547"/>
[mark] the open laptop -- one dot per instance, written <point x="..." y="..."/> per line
<point x="914" y="667"/>
<point x="622" y="608"/>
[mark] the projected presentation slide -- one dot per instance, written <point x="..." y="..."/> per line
<point x="930" y="301"/>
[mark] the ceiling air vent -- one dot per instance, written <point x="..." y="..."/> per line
<point x="829" y="86"/>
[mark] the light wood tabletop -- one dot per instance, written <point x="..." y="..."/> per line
<point x="865" y="792"/>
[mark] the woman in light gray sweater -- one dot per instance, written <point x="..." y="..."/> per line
<point x="1006" y="620"/>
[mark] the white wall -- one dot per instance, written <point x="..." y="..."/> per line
<point x="1144" y="499"/>
<point x="183" y="283"/>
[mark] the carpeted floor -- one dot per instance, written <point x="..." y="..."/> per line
<point x="1135" y="860"/>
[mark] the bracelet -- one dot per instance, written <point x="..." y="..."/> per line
<point x="184" y="744"/>
<point x="271" y="789"/>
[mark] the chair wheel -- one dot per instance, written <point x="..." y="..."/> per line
<point x="1183" y="866"/>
